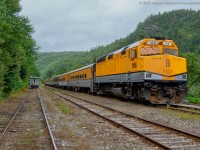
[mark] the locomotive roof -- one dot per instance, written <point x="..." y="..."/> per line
<point x="126" y="47"/>
<point x="88" y="66"/>
<point x="123" y="48"/>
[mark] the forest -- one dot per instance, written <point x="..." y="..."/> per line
<point x="18" y="50"/>
<point x="182" y="26"/>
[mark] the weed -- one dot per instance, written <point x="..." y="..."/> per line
<point x="182" y="115"/>
<point x="83" y="125"/>
<point x="65" y="109"/>
<point x="25" y="142"/>
<point x="72" y="134"/>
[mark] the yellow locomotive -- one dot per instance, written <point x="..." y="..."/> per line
<point x="148" y="70"/>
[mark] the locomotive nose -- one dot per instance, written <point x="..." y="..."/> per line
<point x="166" y="65"/>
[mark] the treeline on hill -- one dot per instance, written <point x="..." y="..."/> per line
<point x="17" y="48"/>
<point x="182" y="26"/>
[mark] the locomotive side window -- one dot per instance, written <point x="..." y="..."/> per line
<point x="101" y="59"/>
<point x="110" y="56"/>
<point x="123" y="52"/>
<point x="133" y="54"/>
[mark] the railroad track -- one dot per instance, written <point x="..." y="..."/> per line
<point x="6" y="126"/>
<point x="162" y="136"/>
<point x="19" y="122"/>
<point x="192" y="109"/>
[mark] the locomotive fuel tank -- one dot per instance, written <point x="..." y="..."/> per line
<point x="118" y="92"/>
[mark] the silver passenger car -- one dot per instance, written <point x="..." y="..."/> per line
<point x="34" y="82"/>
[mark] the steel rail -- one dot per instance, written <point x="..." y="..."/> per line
<point x="185" y="108"/>
<point x="186" y="111"/>
<point x="47" y="123"/>
<point x="14" y="116"/>
<point x="196" y="107"/>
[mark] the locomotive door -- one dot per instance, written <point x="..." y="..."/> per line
<point x="132" y="63"/>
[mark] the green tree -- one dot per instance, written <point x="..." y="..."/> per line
<point x="17" y="48"/>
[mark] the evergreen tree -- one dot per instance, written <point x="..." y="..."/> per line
<point x="17" y="48"/>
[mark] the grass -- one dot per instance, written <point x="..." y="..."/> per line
<point x="187" y="116"/>
<point x="13" y="95"/>
<point x="72" y="134"/>
<point x="193" y="100"/>
<point x="84" y="125"/>
<point x="65" y="109"/>
<point x="1" y="100"/>
<point x="67" y="131"/>
<point x="25" y="142"/>
<point x="182" y="115"/>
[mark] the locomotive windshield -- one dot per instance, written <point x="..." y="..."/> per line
<point x="146" y="51"/>
<point x="170" y="51"/>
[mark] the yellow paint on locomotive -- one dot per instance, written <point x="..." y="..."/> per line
<point x="155" y="56"/>
<point x="116" y="65"/>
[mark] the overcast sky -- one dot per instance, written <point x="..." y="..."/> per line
<point x="77" y="25"/>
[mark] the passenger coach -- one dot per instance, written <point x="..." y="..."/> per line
<point x="80" y="79"/>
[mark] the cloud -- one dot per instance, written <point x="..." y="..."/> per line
<point x="82" y="24"/>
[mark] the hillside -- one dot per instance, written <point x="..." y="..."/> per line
<point x="182" y="26"/>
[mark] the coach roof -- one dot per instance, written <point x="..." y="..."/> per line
<point x="85" y="67"/>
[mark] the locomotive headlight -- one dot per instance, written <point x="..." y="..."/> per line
<point x="152" y="42"/>
<point x="148" y="75"/>
<point x="167" y="43"/>
<point x="184" y="76"/>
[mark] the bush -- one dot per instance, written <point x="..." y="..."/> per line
<point x="194" y="100"/>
